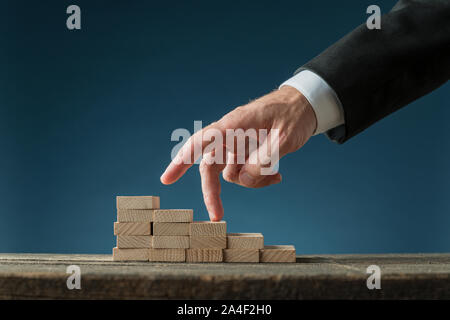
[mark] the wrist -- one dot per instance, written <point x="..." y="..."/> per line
<point x="322" y="98"/>
<point x="293" y="98"/>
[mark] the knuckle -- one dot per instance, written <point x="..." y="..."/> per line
<point x="229" y="120"/>
<point x="239" y="109"/>
<point x="227" y="176"/>
<point x="203" y="167"/>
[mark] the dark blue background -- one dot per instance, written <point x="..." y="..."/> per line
<point x="87" y="115"/>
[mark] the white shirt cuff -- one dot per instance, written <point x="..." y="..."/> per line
<point x="321" y="96"/>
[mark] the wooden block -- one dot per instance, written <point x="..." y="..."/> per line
<point x="134" y="215"/>
<point x="132" y="228"/>
<point x="277" y="254"/>
<point x="218" y="242"/>
<point x="130" y="254"/>
<point x="245" y="241"/>
<point x="170" y="229"/>
<point x="170" y="242"/>
<point x="143" y="202"/>
<point x="208" y="228"/>
<point x="167" y="255"/>
<point x="173" y="215"/>
<point x="134" y="241"/>
<point x="204" y="255"/>
<point x="241" y="255"/>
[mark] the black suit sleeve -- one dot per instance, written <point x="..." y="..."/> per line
<point x="376" y="72"/>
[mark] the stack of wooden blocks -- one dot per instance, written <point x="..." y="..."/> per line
<point x="147" y="233"/>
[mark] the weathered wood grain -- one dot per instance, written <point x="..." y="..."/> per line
<point x="404" y="276"/>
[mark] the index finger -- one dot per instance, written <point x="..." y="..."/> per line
<point x="187" y="155"/>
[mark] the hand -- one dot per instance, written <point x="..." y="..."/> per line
<point x="285" y="109"/>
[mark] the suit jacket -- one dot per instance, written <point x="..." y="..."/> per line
<point x="376" y="72"/>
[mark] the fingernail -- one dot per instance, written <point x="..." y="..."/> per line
<point x="247" y="179"/>
<point x="214" y="219"/>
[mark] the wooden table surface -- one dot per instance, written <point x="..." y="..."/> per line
<point x="404" y="276"/>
